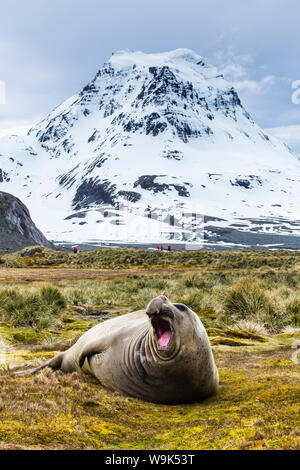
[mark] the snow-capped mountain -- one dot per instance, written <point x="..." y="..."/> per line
<point x="151" y="136"/>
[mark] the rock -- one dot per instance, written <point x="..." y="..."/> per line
<point x="31" y="252"/>
<point x="222" y="279"/>
<point x="17" y="230"/>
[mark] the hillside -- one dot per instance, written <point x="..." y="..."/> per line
<point x="17" y="229"/>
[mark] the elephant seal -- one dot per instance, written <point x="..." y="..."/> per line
<point x="161" y="354"/>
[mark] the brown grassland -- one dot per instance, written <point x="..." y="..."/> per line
<point x="48" y="299"/>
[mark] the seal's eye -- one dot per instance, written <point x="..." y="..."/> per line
<point x="181" y="307"/>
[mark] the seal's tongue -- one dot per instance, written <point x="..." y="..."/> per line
<point x="164" y="339"/>
<point x="164" y="332"/>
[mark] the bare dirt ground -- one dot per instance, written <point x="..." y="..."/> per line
<point x="62" y="274"/>
<point x="57" y="274"/>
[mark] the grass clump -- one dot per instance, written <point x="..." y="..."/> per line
<point x="143" y="298"/>
<point x="77" y="296"/>
<point x="245" y="300"/>
<point x="38" y="310"/>
<point x="248" y="301"/>
<point x="194" y="280"/>
<point x="293" y="311"/>
<point x="251" y="327"/>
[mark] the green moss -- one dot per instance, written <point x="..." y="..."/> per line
<point x="214" y="331"/>
<point x="244" y="334"/>
<point x="216" y="340"/>
<point x="82" y="325"/>
<point x="280" y="363"/>
<point x="24" y="335"/>
<point x="207" y="313"/>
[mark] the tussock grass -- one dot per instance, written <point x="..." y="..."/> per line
<point x="117" y="258"/>
<point x="143" y="298"/>
<point x="36" y="310"/>
<point x="251" y="326"/>
<point x="293" y="311"/>
<point x="260" y="287"/>
<point x="194" y="280"/>
<point x="271" y="306"/>
<point x="248" y="301"/>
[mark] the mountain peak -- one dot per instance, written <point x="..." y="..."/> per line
<point x="127" y="58"/>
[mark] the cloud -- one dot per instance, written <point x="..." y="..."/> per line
<point x="288" y="134"/>
<point x="2" y="92"/>
<point x="233" y="71"/>
<point x="20" y="131"/>
<point x="238" y="70"/>
<point x="255" y="86"/>
<point x="50" y="50"/>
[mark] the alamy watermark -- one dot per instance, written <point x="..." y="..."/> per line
<point x="137" y="223"/>
<point x="296" y="95"/>
<point x="296" y="353"/>
<point x="2" y="92"/>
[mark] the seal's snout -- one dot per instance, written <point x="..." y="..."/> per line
<point x="156" y="305"/>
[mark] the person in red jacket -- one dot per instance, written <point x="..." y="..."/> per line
<point x="158" y="247"/>
<point x="169" y="247"/>
<point x="161" y="248"/>
<point x="75" y="250"/>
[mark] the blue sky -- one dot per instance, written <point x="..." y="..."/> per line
<point x="50" y="49"/>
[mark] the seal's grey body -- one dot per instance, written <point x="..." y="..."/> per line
<point x="161" y="354"/>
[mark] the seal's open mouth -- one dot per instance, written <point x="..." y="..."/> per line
<point x="163" y="332"/>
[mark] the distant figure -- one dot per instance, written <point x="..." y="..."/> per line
<point x="222" y="279"/>
<point x="158" y="247"/>
<point x="161" y="248"/>
<point x="75" y="250"/>
<point x="169" y="248"/>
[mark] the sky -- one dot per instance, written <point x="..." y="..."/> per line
<point x="49" y="50"/>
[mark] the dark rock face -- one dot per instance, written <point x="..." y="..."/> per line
<point x="130" y="196"/>
<point x="92" y="191"/>
<point x="247" y="183"/>
<point x="17" y="230"/>
<point x="78" y="215"/>
<point x="3" y="176"/>
<point x="172" y="155"/>
<point x="31" y="252"/>
<point x="148" y="182"/>
<point x="241" y="182"/>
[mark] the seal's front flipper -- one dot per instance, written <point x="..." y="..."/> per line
<point x="54" y="363"/>
<point x="90" y="349"/>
